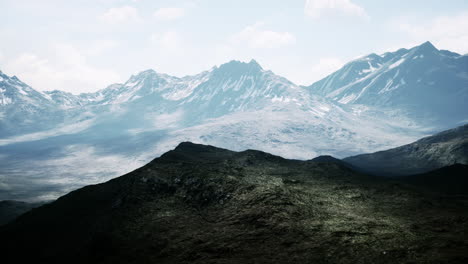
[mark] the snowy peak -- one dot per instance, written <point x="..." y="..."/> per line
<point x="23" y="109"/>
<point x="240" y="80"/>
<point x="14" y="91"/>
<point x="422" y="80"/>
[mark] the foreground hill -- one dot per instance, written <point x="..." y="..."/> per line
<point x="433" y="152"/>
<point x="201" y="204"/>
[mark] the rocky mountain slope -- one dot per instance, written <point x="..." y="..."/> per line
<point x="201" y="204"/>
<point x="433" y="152"/>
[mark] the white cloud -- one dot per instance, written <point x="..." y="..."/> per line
<point x="256" y="37"/>
<point x="446" y="32"/>
<point x="84" y="164"/>
<point x="122" y="14"/>
<point x="317" y="8"/>
<point x="169" y="41"/>
<point x="68" y="70"/>
<point x="169" y="13"/>
<point x="100" y="46"/>
<point x="165" y="120"/>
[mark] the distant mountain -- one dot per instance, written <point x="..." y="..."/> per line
<point x="23" y="109"/>
<point x="425" y="83"/>
<point x="202" y="204"/>
<point x="443" y="149"/>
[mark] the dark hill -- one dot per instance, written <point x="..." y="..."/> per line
<point x="201" y="204"/>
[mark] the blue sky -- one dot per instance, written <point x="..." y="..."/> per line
<point x="83" y="46"/>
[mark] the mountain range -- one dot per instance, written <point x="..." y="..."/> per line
<point x="53" y="142"/>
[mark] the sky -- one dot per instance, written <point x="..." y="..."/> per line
<point x="86" y="45"/>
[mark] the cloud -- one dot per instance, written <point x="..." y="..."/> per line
<point x="87" y="165"/>
<point x="446" y="32"/>
<point x="122" y="14"/>
<point x="169" y="13"/>
<point x="169" y="41"/>
<point x="256" y="37"/>
<point x="67" y="70"/>
<point x="100" y="46"/>
<point x="316" y="8"/>
<point x="63" y="130"/>
<point x="165" y="120"/>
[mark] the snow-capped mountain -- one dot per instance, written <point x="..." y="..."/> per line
<point x="234" y="86"/>
<point x="426" y="83"/>
<point x="73" y="140"/>
<point x="23" y="109"/>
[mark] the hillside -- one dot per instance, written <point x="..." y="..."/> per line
<point x="201" y="204"/>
